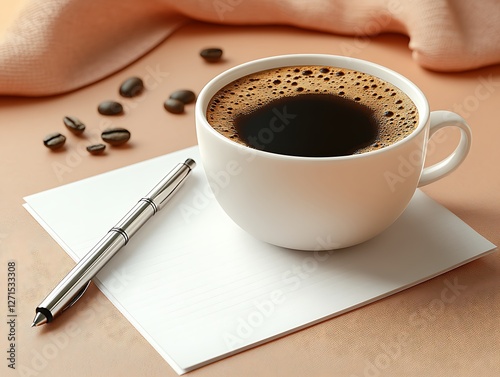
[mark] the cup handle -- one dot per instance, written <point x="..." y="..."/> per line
<point x="441" y="119"/>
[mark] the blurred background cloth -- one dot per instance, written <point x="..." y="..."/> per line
<point x="55" y="46"/>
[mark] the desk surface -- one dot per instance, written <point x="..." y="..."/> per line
<point x="413" y="333"/>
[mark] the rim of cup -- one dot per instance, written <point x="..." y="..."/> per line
<point x="364" y="66"/>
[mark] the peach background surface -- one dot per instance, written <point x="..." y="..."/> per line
<point x="413" y="333"/>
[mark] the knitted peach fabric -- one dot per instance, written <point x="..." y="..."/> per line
<point x="55" y="46"/>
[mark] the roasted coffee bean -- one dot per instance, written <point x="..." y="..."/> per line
<point x="174" y="106"/>
<point x="211" y="54"/>
<point x="115" y="136"/>
<point x="96" y="148"/>
<point x="74" y="125"/>
<point x="54" y="140"/>
<point x="131" y="87"/>
<point x="185" y="96"/>
<point x="110" y="108"/>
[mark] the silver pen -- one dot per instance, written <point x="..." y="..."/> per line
<point x="74" y="285"/>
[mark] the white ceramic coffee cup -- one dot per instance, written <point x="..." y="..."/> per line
<point x="312" y="203"/>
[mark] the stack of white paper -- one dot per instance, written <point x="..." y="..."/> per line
<point x="198" y="288"/>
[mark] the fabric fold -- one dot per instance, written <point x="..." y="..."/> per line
<point x="57" y="46"/>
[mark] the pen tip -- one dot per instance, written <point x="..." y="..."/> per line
<point x="40" y="319"/>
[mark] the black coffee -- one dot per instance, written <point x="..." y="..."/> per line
<point x="313" y="111"/>
<point x="313" y="125"/>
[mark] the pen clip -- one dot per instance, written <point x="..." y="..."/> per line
<point x="77" y="296"/>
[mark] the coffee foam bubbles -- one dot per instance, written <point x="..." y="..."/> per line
<point x="394" y="111"/>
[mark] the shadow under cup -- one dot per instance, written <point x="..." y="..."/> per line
<point x="312" y="203"/>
